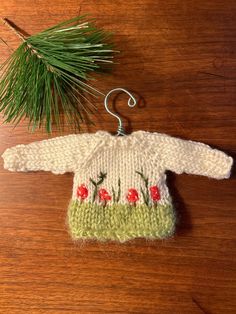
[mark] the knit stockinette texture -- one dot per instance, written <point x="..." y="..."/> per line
<point x="119" y="189"/>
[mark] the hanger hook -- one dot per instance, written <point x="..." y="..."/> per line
<point x="131" y="103"/>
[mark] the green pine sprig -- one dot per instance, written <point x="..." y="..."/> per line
<point x="46" y="79"/>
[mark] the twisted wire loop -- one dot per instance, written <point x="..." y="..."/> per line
<point x="131" y="103"/>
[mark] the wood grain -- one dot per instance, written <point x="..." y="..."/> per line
<point x="180" y="58"/>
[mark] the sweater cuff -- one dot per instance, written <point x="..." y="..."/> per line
<point x="227" y="167"/>
<point x="13" y="161"/>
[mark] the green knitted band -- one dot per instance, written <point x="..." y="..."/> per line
<point x="120" y="221"/>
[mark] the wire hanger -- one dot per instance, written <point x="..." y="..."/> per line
<point x="131" y="103"/>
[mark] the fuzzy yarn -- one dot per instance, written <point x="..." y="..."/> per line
<point x="119" y="189"/>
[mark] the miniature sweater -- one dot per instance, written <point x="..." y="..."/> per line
<point x="119" y="189"/>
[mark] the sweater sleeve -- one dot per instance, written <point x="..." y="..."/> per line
<point x="58" y="155"/>
<point x="191" y="157"/>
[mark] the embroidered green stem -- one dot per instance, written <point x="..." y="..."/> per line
<point x="146" y="193"/>
<point x="113" y="194"/>
<point x="101" y="178"/>
<point x="118" y="195"/>
<point x="116" y="198"/>
<point x="104" y="203"/>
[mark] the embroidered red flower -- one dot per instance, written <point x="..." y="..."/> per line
<point x="104" y="195"/>
<point x="155" y="193"/>
<point x="82" y="192"/>
<point x="132" y="196"/>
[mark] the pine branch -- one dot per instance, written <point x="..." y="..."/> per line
<point x="49" y="72"/>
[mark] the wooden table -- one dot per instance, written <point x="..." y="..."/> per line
<point x="179" y="56"/>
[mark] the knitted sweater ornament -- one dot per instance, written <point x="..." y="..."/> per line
<point x="119" y="190"/>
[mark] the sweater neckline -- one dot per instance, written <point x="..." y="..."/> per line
<point x="117" y="138"/>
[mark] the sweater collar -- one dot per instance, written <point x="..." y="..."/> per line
<point x="108" y="135"/>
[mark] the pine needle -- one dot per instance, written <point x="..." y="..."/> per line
<point x="49" y="72"/>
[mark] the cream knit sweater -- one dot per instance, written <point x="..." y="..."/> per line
<point x="119" y="189"/>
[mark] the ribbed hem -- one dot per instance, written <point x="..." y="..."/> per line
<point x="120" y="222"/>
